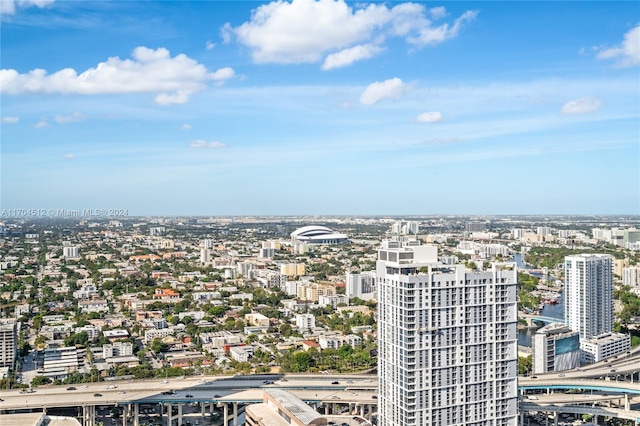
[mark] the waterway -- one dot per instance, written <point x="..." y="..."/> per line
<point x="554" y="311"/>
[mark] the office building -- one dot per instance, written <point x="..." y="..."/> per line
<point x="588" y="294"/>
<point x="556" y="347"/>
<point x="447" y="340"/>
<point x="8" y="342"/>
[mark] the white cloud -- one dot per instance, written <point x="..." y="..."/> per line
<point x="69" y="156"/>
<point x="429" y="117"/>
<point x="582" y="106"/>
<point x="210" y="45"/>
<point x="9" y="7"/>
<point x="438" y="12"/>
<point x="205" y="144"/>
<point x="149" y="71"/>
<point x="388" y="89"/>
<point x="436" y="35"/>
<point x="325" y="30"/>
<point x="71" y="118"/>
<point x="186" y="126"/>
<point x="628" y="53"/>
<point x="10" y="120"/>
<point x="350" y="55"/>
<point x="40" y="124"/>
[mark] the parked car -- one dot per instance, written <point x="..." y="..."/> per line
<point x="71" y="388"/>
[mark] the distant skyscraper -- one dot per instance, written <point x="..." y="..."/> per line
<point x="475" y="227"/>
<point x="447" y="340"/>
<point x="70" y="252"/>
<point x="588" y="294"/>
<point x="205" y="255"/>
<point x="8" y="342"/>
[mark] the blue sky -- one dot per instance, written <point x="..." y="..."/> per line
<point x="321" y="107"/>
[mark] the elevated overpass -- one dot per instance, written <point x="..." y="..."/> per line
<point x="358" y="393"/>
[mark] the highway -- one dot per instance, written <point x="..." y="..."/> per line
<point x="201" y="388"/>
<point x="359" y="390"/>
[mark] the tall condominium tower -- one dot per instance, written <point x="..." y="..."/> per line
<point x="447" y="340"/>
<point x="588" y="294"/>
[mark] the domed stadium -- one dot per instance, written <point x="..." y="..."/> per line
<point x="315" y="234"/>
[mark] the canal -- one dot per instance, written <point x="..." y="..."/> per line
<point x="554" y="311"/>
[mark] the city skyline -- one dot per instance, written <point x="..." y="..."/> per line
<point x="227" y="108"/>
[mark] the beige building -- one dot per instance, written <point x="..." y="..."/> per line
<point x="293" y="269"/>
<point x="257" y="320"/>
<point x="280" y="408"/>
<point x="312" y="291"/>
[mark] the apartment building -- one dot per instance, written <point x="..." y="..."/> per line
<point x="447" y="340"/>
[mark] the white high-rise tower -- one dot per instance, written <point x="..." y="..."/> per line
<point x="447" y="340"/>
<point x="588" y="294"/>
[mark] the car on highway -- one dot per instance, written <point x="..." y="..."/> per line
<point x="335" y="383"/>
<point x="217" y="396"/>
<point x="268" y="382"/>
<point x="121" y="392"/>
<point x="188" y="395"/>
<point x="71" y="388"/>
<point x="97" y="394"/>
<point x="112" y="387"/>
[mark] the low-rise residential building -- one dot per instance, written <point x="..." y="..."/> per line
<point x="93" y="305"/>
<point x="333" y="301"/>
<point x="257" y="319"/>
<point x="113" y="335"/>
<point x="92" y="331"/>
<point x="117" y="349"/>
<point x="305" y="321"/>
<point x="155" y="333"/>
<point x="241" y="353"/>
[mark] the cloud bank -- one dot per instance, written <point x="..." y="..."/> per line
<point x="309" y="31"/>
<point x="174" y="79"/>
